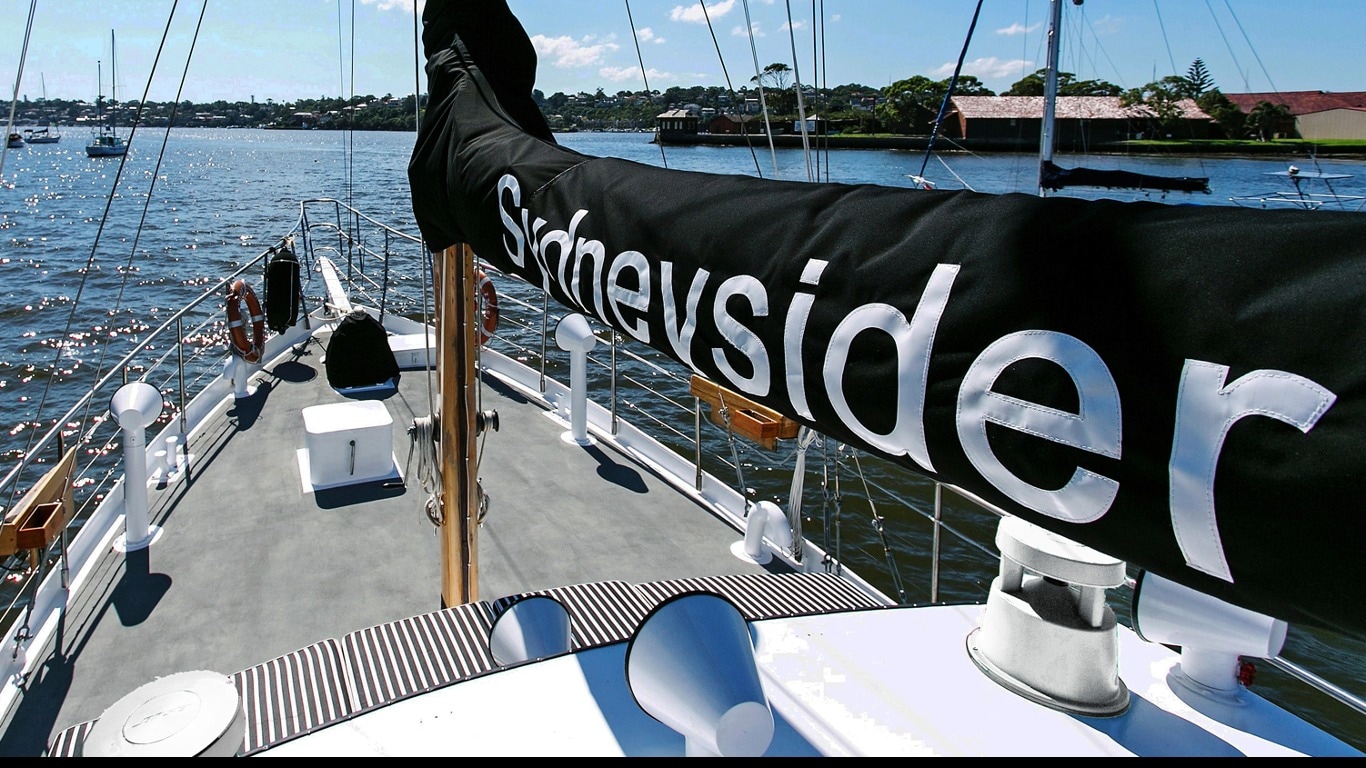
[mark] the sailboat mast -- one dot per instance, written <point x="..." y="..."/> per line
<point x="456" y="364"/>
<point x="113" y="87"/>
<point x="1047" y="136"/>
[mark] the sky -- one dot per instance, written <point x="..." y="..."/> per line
<point x="284" y="50"/>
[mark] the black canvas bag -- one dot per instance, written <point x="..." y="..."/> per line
<point x="358" y="354"/>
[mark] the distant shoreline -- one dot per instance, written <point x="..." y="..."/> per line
<point x="920" y="143"/>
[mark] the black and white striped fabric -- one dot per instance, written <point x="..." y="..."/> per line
<point x="68" y="742"/>
<point x="294" y="694"/>
<point x="334" y="680"/>
<point x="600" y="613"/>
<point x="396" y="660"/>
<point x="769" y="596"/>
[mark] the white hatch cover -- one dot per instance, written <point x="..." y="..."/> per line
<point x="178" y="715"/>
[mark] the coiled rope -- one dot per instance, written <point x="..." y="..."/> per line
<point x="422" y="441"/>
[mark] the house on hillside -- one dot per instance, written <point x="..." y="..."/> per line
<point x="1080" y="121"/>
<point x="1318" y="115"/>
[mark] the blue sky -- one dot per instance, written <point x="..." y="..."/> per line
<point x="287" y="49"/>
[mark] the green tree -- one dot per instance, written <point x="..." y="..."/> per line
<point x="1198" y="80"/>
<point x="911" y="105"/>
<point x="775" y="80"/>
<point x="1225" y="113"/>
<point x="1162" y="100"/>
<point x="1034" y="84"/>
<point x="1267" y="120"/>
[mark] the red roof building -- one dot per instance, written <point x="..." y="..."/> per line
<point x="1318" y="115"/>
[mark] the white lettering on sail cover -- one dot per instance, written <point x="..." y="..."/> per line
<point x="913" y="341"/>
<point x="637" y="298"/>
<point x="794" y="330"/>
<point x="742" y="338"/>
<point x="1205" y="412"/>
<point x="1095" y="427"/>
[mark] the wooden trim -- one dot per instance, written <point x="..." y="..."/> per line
<point x="748" y="419"/>
<point x="55" y="486"/>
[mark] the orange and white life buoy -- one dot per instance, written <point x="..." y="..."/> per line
<point x="248" y="349"/>
<point x="488" y="305"/>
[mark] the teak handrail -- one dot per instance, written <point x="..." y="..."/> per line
<point x="55" y="486"/>
<point x="743" y="416"/>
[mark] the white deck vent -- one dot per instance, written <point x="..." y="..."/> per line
<point x="1047" y="633"/>
<point x="691" y="666"/>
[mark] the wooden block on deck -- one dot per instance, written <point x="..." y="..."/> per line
<point x="54" y="487"/>
<point x="748" y="419"/>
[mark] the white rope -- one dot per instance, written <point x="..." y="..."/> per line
<point x="805" y="438"/>
<point x="422" y="441"/>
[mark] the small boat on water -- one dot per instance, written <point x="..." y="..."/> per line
<point x="106" y="141"/>
<point x="41" y="136"/>
<point x="428" y="498"/>
<point x="1311" y="190"/>
<point x="47" y="134"/>
<point x="15" y="141"/>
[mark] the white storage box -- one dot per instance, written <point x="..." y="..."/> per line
<point x="348" y="443"/>
<point x="409" y="351"/>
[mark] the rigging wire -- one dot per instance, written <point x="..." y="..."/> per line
<point x="730" y="87"/>
<point x="94" y="248"/>
<point x="1252" y="48"/>
<point x="797" y="87"/>
<point x="758" y="80"/>
<point x="341" y="84"/>
<point x="351" y="116"/>
<point x="18" y="77"/>
<point x="953" y="83"/>
<point x="823" y="82"/>
<point x="417" y="70"/>
<point x="1229" y="47"/>
<point x="1171" y="60"/>
<point x="635" y="38"/>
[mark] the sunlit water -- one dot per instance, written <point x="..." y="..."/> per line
<point x="183" y="219"/>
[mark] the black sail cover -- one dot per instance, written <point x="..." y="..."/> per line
<point x="1181" y="387"/>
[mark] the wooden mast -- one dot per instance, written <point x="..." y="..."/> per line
<point x="456" y="345"/>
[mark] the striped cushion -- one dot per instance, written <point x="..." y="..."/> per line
<point x="770" y="596"/>
<point x="396" y="660"/>
<point x="68" y="742"/>
<point x="599" y="613"/>
<point x="331" y="681"/>
<point x="293" y="694"/>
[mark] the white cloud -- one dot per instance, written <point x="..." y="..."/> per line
<point x="390" y="5"/>
<point x="647" y="35"/>
<point x="987" y="68"/>
<point x="624" y="74"/>
<point x="695" y="14"/>
<point x="1018" y="29"/>
<point x="741" y="31"/>
<point x="568" y="53"/>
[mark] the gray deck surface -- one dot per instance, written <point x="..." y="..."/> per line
<point x="252" y="564"/>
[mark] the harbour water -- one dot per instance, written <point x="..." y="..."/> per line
<point x="179" y="220"/>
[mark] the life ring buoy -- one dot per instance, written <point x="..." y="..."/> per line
<point x="248" y="349"/>
<point x="488" y="306"/>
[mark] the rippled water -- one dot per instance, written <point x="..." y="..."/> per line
<point x="219" y="197"/>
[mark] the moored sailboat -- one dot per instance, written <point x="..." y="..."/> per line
<point x="106" y="141"/>
<point x="46" y="134"/>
